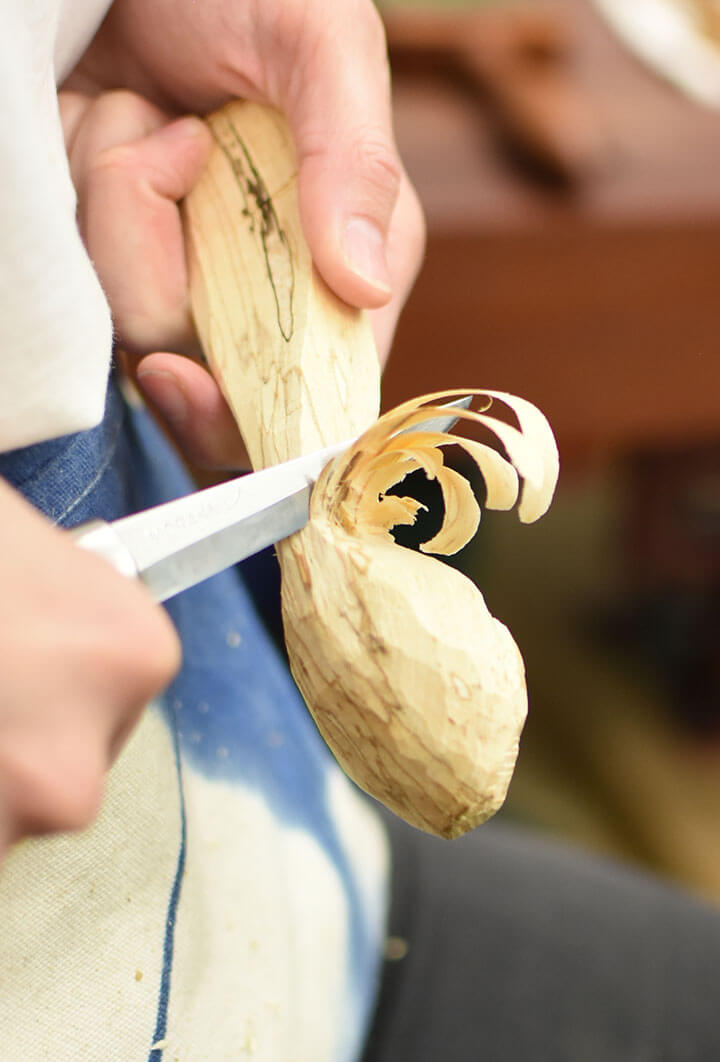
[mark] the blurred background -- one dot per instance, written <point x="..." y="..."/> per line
<point x="567" y="153"/>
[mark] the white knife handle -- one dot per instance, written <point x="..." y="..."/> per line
<point x="100" y="538"/>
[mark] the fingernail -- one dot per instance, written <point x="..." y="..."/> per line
<point x="163" y="389"/>
<point x="364" y="247"/>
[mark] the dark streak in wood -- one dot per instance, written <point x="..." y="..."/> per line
<point x="262" y="218"/>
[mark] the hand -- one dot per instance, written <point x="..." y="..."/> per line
<point x="131" y="164"/>
<point x="82" y="650"/>
<point x="323" y="65"/>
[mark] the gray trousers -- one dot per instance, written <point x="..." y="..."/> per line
<point x="522" y="951"/>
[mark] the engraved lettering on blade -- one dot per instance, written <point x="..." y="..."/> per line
<point x="209" y="555"/>
<point x="184" y="519"/>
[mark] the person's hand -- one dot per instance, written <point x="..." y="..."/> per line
<point x="323" y="65"/>
<point x="131" y="163"/>
<point x="82" y="650"/>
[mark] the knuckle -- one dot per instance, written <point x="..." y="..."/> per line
<point x="376" y="173"/>
<point x="121" y="160"/>
<point x="128" y="111"/>
<point x="119" y="122"/>
<point x="154" y="653"/>
<point x="166" y="658"/>
<point x="51" y="793"/>
<point x="381" y="163"/>
<point x="75" y="802"/>
<point x="130" y="647"/>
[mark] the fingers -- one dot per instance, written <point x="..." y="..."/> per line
<point x="93" y="125"/>
<point x="51" y="785"/>
<point x="406" y="245"/>
<point x="130" y="167"/>
<point x="195" y="412"/>
<point x="187" y="398"/>
<point x="73" y="107"/>
<point x="327" y="69"/>
<point x="325" y="66"/>
<point x="337" y="97"/>
<point x="82" y="651"/>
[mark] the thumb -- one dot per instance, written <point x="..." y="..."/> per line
<point x="338" y="105"/>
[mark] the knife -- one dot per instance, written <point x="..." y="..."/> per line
<point x="173" y="546"/>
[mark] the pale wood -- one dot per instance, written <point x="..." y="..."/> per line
<point x="298" y="366"/>
<point x="418" y="690"/>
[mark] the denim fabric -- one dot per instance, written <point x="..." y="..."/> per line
<point x="99" y="473"/>
<point x="234" y="694"/>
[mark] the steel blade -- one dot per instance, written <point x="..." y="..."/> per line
<point x="182" y="542"/>
<point x="179" y="544"/>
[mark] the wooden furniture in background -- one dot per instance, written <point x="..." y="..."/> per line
<point x="599" y="300"/>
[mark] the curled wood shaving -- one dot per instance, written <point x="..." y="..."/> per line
<point x="527" y="468"/>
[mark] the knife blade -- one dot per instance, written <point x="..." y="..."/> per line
<point x="178" y="544"/>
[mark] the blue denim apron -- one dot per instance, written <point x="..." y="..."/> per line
<point x="234" y="694"/>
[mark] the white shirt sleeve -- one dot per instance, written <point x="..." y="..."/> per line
<point x="55" y="326"/>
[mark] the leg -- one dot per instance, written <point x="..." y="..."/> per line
<point x="520" y="950"/>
